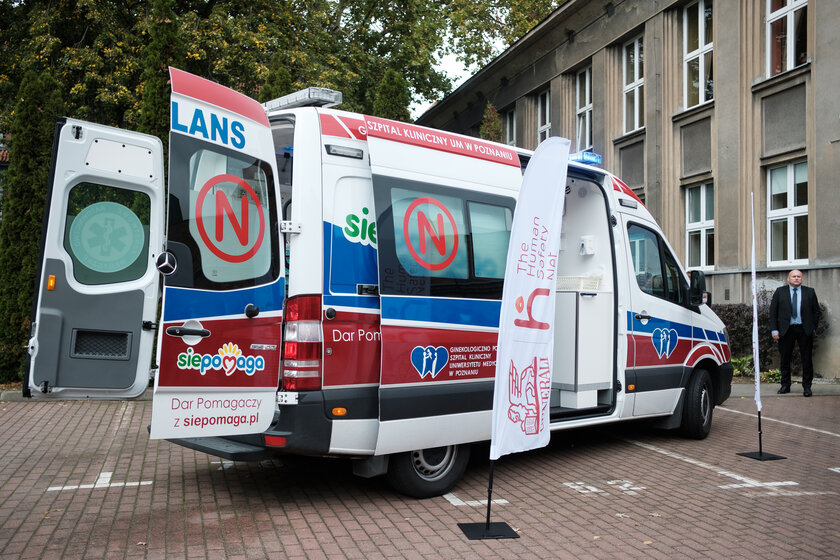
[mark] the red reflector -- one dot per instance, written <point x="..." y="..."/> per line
<point x="275" y="441"/>
<point x="302" y="383"/>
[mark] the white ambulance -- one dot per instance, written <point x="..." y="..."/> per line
<point x="333" y="288"/>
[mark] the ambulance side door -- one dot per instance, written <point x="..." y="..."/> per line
<point x="97" y="293"/>
<point x="659" y="320"/>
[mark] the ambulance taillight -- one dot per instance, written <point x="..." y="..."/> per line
<point x="303" y="344"/>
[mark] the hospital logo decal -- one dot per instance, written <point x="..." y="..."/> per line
<point x="665" y="341"/>
<point x="428" y="360"/>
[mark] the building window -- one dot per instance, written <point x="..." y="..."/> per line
<point x="700" y="226"/>
<point x="787" y="214"/>
<point x="544" y="122"/>
<point x="787" y="35"/>
<point x="510" y="127"/>
<point x="584" y="109"/>
<point x="698" y="74"/>
<point x="634" y="85"/>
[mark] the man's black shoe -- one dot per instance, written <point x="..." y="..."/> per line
<point x="807" y="392"/>
<point x="783" y="390"/>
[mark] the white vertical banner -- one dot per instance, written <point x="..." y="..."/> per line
<point x="526" y="325"/>
<point x="756" y="362"/>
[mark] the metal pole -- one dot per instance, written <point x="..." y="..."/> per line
<point x="489" y="497"/>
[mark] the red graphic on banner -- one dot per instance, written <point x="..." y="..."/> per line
<point x="223" y="209"/>
<point x="529" y="392"/>
<point x="531" y="323"/>
<point x="434" y="230"/>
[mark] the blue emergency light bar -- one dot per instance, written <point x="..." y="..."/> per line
<point x="590" y="158"/>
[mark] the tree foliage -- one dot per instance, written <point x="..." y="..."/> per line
<point x="38" y="105"/>
<point x="491" y="124"/>
<point x="107" y="54"/>
<point x="392" y="97"/>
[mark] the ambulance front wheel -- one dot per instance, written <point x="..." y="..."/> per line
<point x="699" y="404"/>
<point x="428" y="472"/>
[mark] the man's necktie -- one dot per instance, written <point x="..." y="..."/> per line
<point x="794" y="301"/>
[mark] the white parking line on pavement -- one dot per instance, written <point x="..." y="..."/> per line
<point x="744" y="482"/>
<point x="456" y="501"/>
<point x="765" y="419"/>
<point x="104" y="481"/>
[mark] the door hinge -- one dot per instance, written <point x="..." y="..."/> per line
<point x="149" y="326"/>
<point x="288" y="226"/>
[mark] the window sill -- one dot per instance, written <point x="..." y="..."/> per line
<point x="702" y="110"/>
<point x="793" y="74"/>
<point x="630" y="136"/>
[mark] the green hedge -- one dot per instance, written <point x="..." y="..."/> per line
<point x="738" y="320"/>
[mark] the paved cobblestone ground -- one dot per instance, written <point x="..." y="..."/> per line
<point x="83" y="480"/>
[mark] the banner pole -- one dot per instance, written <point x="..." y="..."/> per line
<point x="756" y="362"/>
<point x="489" y="496"/>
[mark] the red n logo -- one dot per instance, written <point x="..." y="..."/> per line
<point x="223" y="207"/>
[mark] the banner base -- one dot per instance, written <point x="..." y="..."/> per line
<point x="761" y="456"/>
<point x="481" y="531"/>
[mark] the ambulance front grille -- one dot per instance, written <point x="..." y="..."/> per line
<point x="101" y="345"/>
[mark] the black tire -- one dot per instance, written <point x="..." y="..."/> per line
<point x="428" y="472"/>
<point x="699" y="405"/>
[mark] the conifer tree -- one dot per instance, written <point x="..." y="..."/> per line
<point x="392" y="97"/>
<point x="491" y="125"/>
<point x="279" y="82"/>
<point x="32" y="127"/>
<point x="159" y="53"/>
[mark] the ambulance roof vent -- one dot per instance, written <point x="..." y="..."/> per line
<point x="309" y="97"/>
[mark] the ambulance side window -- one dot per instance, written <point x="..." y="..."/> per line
<point x="656" y="269"/>
<point x="440" y="241"/>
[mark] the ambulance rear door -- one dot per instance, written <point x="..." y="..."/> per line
<point x="444" y="206"/>
<point x="97" y="292"/>
<point x="221" y="335"/>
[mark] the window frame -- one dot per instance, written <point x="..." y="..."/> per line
<point x="584" y="110"/>
<point x="790" y="213"/>
<point x="510" y="127"/>
<point x="543" y="126"/>
<point x="788" y="14"/>
<point x="635" y="86"/>
<point x="701" y="53"/>
<point x="668" y="265"/>
<point x="704" y="226"/>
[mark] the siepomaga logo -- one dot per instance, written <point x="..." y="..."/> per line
<point x="665" y="341"/>
<point x="228" y="359"/>
<point x="428" y="360"/>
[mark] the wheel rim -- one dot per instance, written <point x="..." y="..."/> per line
<point x="433" y="464"/>
<point x="705" y="405"/>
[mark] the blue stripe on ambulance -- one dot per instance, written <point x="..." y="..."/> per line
<point x="186" y="303"/>
<point x="634" y="326"/>
<point x="482" y="313"/>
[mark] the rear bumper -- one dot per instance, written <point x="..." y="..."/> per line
<point x="304" y="426"/>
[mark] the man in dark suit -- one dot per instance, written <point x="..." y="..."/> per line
<point x="794" y="313"/>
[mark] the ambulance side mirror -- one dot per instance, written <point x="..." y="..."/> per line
<point x="697" y="294"/>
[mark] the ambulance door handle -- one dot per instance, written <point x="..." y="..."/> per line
<point x="643" y="316"/>
<point x="182" y="331"/>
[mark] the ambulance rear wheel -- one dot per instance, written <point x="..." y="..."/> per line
<point x="699" y="404"/>
<point x="428" y="472"/>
